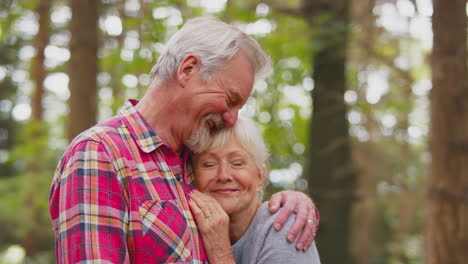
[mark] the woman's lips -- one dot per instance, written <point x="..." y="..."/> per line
<point x="224" y="191"/>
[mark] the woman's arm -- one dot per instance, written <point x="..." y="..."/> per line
<point x="213" y="224"/>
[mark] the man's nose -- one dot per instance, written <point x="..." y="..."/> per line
<point x="230" y="117"/>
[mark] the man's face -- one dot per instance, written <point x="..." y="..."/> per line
<point x="202" y="137"/>
<point x="217" y="103"/>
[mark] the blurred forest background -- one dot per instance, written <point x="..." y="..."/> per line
<point x="366" y="109"/>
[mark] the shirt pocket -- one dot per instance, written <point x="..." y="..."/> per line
<point x="166" y="236"/>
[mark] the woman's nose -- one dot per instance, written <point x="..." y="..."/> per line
<point x="224" y="173"/>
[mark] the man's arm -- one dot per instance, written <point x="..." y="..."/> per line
<point x="88" y="208"/>
<point x="307" y="216"/>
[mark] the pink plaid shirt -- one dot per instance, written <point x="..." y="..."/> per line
<point x="119" y="195"/>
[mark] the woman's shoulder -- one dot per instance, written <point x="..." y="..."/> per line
<point x="267" y="220"/>
<point x="275" y="247"/>
<point x="261" y="226"/>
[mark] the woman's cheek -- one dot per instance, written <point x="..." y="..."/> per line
<point x="203" y="180"/>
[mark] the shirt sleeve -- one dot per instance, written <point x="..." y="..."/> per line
<point x="276" y="249"/>
<point x="88" y="208"/>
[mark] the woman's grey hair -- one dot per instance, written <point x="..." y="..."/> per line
<point x="214" y="42"/>
<point x="250" y="138"/>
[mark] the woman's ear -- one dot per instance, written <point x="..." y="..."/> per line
<point x="262" y="173"/>
<point x="188" y="68"/>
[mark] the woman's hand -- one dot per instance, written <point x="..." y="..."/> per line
<point x="213" y="224"/>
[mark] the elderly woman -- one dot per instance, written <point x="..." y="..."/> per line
<point x="230" y="174"/>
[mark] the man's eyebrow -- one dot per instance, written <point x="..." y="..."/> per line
<point x="234" y="96"/>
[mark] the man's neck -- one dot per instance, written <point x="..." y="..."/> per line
<point x="157" y="108"/>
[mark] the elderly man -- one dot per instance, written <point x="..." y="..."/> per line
<point x="120" y="192"/>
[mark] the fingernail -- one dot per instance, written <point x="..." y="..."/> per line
<point x="300" y="246"/>
<point x="277" y="226"/>
<point x="291" y="238"/>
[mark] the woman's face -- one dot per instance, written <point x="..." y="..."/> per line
<point x="230" y="175"/>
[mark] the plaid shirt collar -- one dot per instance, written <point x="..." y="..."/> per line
<point x="141" y="131"/>
<point x="146" y="137"/>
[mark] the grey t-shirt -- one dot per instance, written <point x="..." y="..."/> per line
<point x="261" y="243"/>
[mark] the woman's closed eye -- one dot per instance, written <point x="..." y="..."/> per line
<point x="208" y="164"/>
<point x="238" y="163"/>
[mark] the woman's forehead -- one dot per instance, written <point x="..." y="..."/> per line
<point x="228" y="146"/>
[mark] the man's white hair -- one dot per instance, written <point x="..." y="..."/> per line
<point x="214" y="42"/>
<point x="250" y="139"/>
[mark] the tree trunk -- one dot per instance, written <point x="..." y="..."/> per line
<point x="446" y="240"/>
<point x="39" y="71"/>
<point x="83" y="66"/>
<point x="330" y="171"/>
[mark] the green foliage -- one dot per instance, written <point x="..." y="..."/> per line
<point x="9" y="210"/>
<point x="8" y="126"/>
<point x="25" y="196"/>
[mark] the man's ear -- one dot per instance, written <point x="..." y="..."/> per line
<point x="188" y="67"/>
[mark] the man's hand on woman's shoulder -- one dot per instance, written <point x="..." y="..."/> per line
<point x="307" y="216"/>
